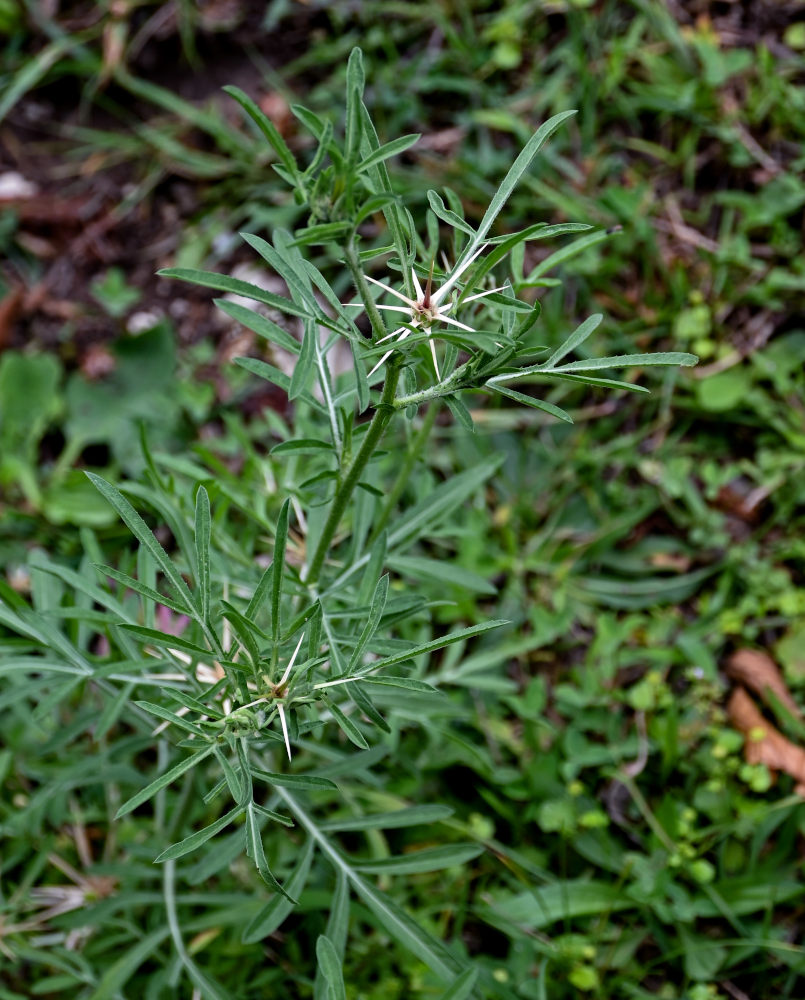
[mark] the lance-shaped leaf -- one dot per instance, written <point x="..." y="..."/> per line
<point x="195" y="840"/>
<point x="330" y="965"/>
<point x="144" y="536"/>
<point x="372" y="621"/>
<point x="277" y="909"/>
<point x="267" y="127"/>
<point x="163" y="781"/>
<point x="431" y="859"/>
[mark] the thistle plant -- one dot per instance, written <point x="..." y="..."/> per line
<point x="271" y="673"/>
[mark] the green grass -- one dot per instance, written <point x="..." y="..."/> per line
<point x="629" y="850"/>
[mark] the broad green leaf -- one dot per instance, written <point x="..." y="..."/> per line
<point x="409" y="816"/>
<point x="431" y="859"/>
<point x="276" y="910"/>
<point x="145" y="536"/>
<point x="163" y="781"/>
<point x="266" y="126"/>
<point x="330" y="965"/>
<point x="195" y="840"/>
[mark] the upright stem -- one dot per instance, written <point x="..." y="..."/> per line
<point x="411" y="457"/>
<point x="350" y="479"/>
<point x="354" y="265"/>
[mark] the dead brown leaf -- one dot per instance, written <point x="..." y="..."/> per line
<point x="759" y="672"/>
<point x="765" y="744"/>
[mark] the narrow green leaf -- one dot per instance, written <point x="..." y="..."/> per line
<point x="122" y="969"/>
<point x="225" y="283"/>
<point x="195" y="704"/>
<point x="304" y="445"/>
<point x="372" y="621"/>
<point x="387" y="150"/>
<point x="330" y="965"/>
<point x="326" y="232"/>
<point x="142" y="590"/>
<point x="441" y="211"/>
<point x="579" y="335"/>
<point x="171" y="717"/>
<point x="355" y="85"/>
<point x="337" y="928"/>
<point x="463" y="986"/>
<point x="260" y="325"/>
<point x="232" y="779"/>
<point x="261" y="592"/>
<point x="516" y="171"/>
<point x="203" y="528"/>
<point x="409" y="816"/>
<point x="348" y="727"/>
<point x="256" y="851"/>
<point x="406" y="683"/>
<point x="169" y="641"/>
<point x="624" y="360"/>
<point x="280" y="539"/>
<point x="271" y="374"/>
<point x="144" y="535"/>
<point x="364" y="703"/>
<point x="277" y="909"/>
<point x="266" y="126"/>
<point x="304" y="782"/>
<point x="304" y="363"/>
<point x="533" y="401"/>
<point x="565" y="253"/>
<point x="460" y="412"/>
<point x="163" y="781"/>
<point x="195" y="840"/>
<point x="431" y="859"/>
<point x="434" y="644"/>
<point x="420" y="567"/>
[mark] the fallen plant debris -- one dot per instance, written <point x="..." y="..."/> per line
<point x="756" y="670"/>
<point x="765" y="744"/>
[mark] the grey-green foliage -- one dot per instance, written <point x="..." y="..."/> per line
<point x="265" y="671"/>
